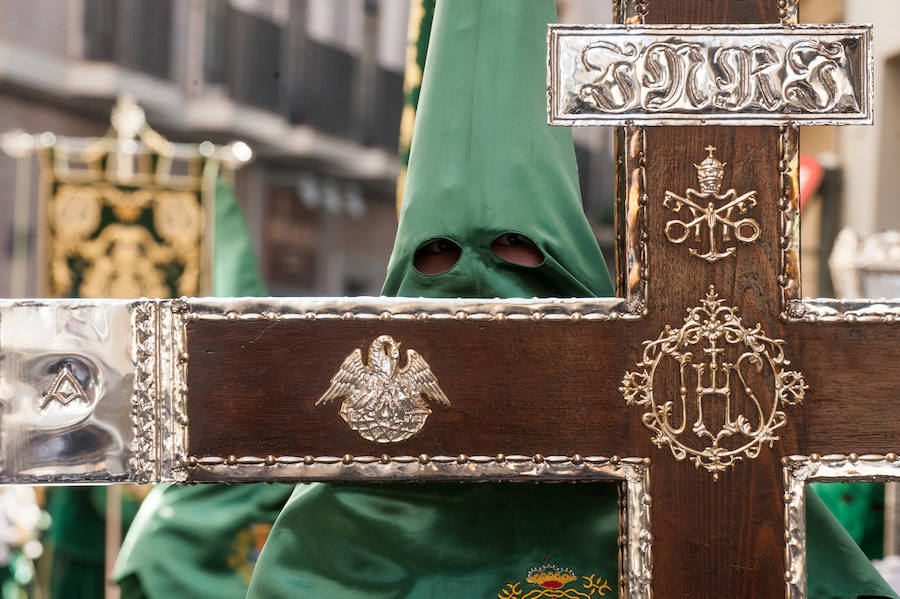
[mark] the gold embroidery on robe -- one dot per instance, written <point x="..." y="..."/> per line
<point x="552" y="582"/>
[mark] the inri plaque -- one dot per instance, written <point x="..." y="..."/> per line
<point x="710" y="74"/>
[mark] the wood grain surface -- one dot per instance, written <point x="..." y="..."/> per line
<point x="721" y="539"/>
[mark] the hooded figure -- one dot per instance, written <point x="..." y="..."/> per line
<point x="203" y="540"/>
<point x="491" y="209"/>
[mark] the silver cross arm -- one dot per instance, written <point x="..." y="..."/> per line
<point x="94" y="391"/>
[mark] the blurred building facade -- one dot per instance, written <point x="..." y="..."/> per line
<point x="314" y="86"/>
<point x="870" y="154"/>
<point x="861" y="182"/>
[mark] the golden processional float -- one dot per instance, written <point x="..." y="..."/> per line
<point x="130" y="214"/>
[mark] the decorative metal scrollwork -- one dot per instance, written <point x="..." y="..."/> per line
<point x="722" y="367"/>
<point x="382" y="402"/>
<point x="763" y="74"/>
<point x="707" y="210"/>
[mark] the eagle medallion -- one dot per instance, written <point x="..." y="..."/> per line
<point x="382" y="402"/>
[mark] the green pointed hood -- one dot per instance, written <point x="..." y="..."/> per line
<point x="484" y="162"/>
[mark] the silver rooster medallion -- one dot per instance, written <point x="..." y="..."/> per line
<point x="382" y="402"/>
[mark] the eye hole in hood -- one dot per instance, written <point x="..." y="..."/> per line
<point x="516" y="248"/>
<point x="436" y="256"/>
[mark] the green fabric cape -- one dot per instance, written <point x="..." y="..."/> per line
<point x="485" y="163"/>
<point x="202" y="541"/>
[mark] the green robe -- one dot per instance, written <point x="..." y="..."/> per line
<point x="484" y="163"/>
<point x="197" y="541"/>
<point x="76" y="539"/>
<point x="439" y="540"/>
<point x="859" y="507"/>
<point x="203" y="541"/>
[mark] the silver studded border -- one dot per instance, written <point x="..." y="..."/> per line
<point x="789" y="217"/>
<point x="788" y="11"/>
<point x="161" y="330"/>
<point x="178" y="313"/>
<point x="638" y="553"/>
<point x="145" y="357"/>
<point x="421" y="309"/>
<point x="795" y="308"/>
<point x="630" y="12"/>
<point x="633" y="473"/>
<point x="879" y="311"/>
<point x="173" y="421"/>
<point x="800" y="470"/>
<point x="632" y="264"/>
<point x="632" y="224"/>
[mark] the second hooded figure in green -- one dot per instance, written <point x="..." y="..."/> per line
<point x="203" y="540"/>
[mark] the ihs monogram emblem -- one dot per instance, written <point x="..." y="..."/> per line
<point x="710" y="214"/>
<point x="732" y="386"/>
<point x="551" y="582"/>
<point x="382" y="402"/>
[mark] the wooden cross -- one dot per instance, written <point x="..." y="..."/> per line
<point x="709" y="386"/>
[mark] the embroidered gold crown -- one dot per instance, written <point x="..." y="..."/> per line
<point x="710" y="172"/>
<point x="550" y="577"/>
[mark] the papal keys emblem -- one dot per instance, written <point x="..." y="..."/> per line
<point x="713" y="389"/>
<point x="383" y="402"/>
<point x="710" y="214"/>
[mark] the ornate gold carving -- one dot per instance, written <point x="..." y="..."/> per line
<point x="707" y="209"/>
<point x="65" y="389"/>
<point x="383" y="403"/>
<point x="720" y="365"/>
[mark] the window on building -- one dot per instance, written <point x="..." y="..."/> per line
<point x="215" y="48"/>
<point x="100" y="19"/>
<point x="242" y="51"/>
<point x="256" y="76"/>
<point x="133" y="33"/>
<point x="322" y="94"/>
